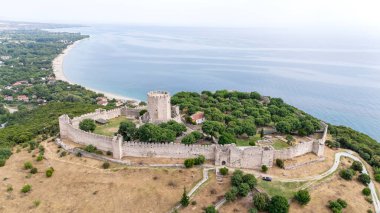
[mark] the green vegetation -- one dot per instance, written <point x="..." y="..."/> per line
<point x="238" y="113"/>
<point x="34" y="170"/>
<point x="49" y="172"/>
<point x="347" y="174"/>
<point x="337" y="206"/>
<point x="185" y="200"/>
<point x="280" y="163"/>
<point x="278" y="204"/>
<point x="242" y="184"/>
<point x="191" y="138"/>
<point x="223" y="171"/>
<point x="92" y="149"/>
<point x="36" y="203"/>
<point x="194" y="161"/>
<point x="28" y="165"/>
<point x="286" y="189"/>
<point x="164" y="132"/>
<point x="264" y="168"/>
<point x="106" y="165"/>
<point x="303" y="197"/>
<point x="26" y="188"/>
<point x="279" y="144"/>
<point x="251" y="141"/>
<point x="261" y="201"/>
<point x="87" y="125"/>
<point x="210" y="209"/>
<point x="126" y="128"/>
<point x="364" y="178"/>
<point x="357" y="166"/>
<point x="366" y="191"/>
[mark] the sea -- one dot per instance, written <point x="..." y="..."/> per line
<point x="332" y="74"/>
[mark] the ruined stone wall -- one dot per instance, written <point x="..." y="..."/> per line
<point x="99" y="113"/>
<point x="294" y="151"/>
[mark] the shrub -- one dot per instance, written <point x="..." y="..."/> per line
<point x="223" y="171"/>
<point x="185" y="200"/>
<point x="337" y="206"/>
<point x="343" y="203"/>
<point x="280" y="163"/>
<point x="250" y="180"/>
<point x="303" y="197"/>
<point x="364" y="178"/>
<point x="347" y="174"/>
<point x="106" y="165"/>
<point x="366" y="191"/>
<point x="28" y="165"/>
<point x="264" y="168"/>
<point x="278" y="204"/>
<point x="253" y="210"/>
<point x="369" y="200"/>
<point x="237" y="178"/>
<point x="377" y="177"/>
<point x="34" y="170"/>
<point x="357" y="166"/>
<point x="261" y="201"/>
<point x="49" y="172"/>
<point x="40" y="157"/>
<point x="36" y="203"/>
<point x="90" y="148"/>
<point x="26" y="188"/>
<point x="199" y="160"/>
<point x="189" y="163"/>
<point x="188" y="139"/>
<point x="87" y="125"/>
<point x="2" y="162"/>
<point x="244" y="189"/>
<point x="210" y="209"/>
<point x="193" y="202"/>
<point x="230" y="196"/>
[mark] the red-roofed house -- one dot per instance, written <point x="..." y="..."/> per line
<point x="23" y="98"/>
<point x="198" y="117"/>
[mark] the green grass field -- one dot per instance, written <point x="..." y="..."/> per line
<point x="279" y="144"/>
<point x="286" y="189"/>
<point x="245" y="142"/>
<point x="110" y="128"/>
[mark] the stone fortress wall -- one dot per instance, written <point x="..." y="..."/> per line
<point x="251" y="157"/>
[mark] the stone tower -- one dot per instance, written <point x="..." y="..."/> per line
<point x="159" y="107"/>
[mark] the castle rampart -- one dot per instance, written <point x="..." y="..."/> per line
<point x="229" y="155"/>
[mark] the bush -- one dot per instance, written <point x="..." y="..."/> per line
<point x="26" y="188"/>
<point x="210" y="209"/>
<point x="261" y="201"/>
<point x="303" y="197"/>
<point x="40" y="157"/>
<point x="357" y="166"/>
<point x="223" y="171"/>
<point x="237" y="178"/>
<point x="188" y="139"/>
<point x="106" y="165"/>
<point x="264" y="168"/>
<point x="366" y="191"/>
<point x="253" y="210"/>
<point x="199" y="160"/>
<point x="377" y="177"/>
<point x="28" y="165"/>
<point x="227" y="138"/>
<point x="87" y="125"/>
<point x="278" y="204"/>
<point x="250" y="180"/>
<point x="343" y="203"/>
<point x="34" y="170"/>
<point x="364" y="178"/>
<point x="337" y="206"/>
<point x="90" y="148"/>
<point x="244" y="189"/>
<point x="347" y="174"/>
<point x="193" y="202"/>
<point x="49" y="172"/>
<point x="230" y="196"/>
<point x="2" y="162"/>
<point x="36" y="203"/>
<point x="189" y="163"/>
<point x="280" y="163"/>
<point x="185" y="200"/>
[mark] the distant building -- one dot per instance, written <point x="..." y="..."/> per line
<point x="198" y="117"/>
<point x="18" y="83"/>
<point x="23" y="98"/>
<point x="102" y="101"/>
<point x="8" y="98"/>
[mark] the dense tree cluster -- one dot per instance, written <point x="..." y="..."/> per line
<point x="87" y="125"/>
<point x="242" y="184"/>
<point x="191" y="138"/>
<point x="303" y="197"/>
<point x="231" y="114"/>
<point x="337" y="206"/>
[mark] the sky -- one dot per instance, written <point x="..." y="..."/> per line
<point x="218" y="13"/>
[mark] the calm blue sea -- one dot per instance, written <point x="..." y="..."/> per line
<point x="331" y="74"/>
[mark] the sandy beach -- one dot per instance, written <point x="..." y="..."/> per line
<point x="60" y="75"/>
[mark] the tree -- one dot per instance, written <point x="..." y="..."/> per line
<point x="261" y="201"/>
<point x="303" y="197"/>
<point x="188" y="139"/>
<point x="377" y="177"/>
<point x="248" y="127"/>
<point x="278" y="204"/>
<point x="283" y="127"/>
<point x="280" y="163"/>
<point x="250" y="180"/>
<point x="185" y="200"/>
<point x="347" y="174"/>
<point x="189" y="163"/>
<point x="264" y="168"/>
<point x="128" y="130"/>
<point x="357" y="166"/>
<point x="364" y="178"/>
<point x="227" y="138"/>
<point x="210" y="209"/>
<point x="231" y="195"/>
<point x="223" y="171"/>
<point x="87" y="125"/>
<point x="174" y="126"/>
<point x="366" y="191"/>
<point x="199" y="160"/>
<point x="262" y="133"/>
<point x="237" y="178"/>
<point x="212" y="128"/>
<point x="244" y="189"/>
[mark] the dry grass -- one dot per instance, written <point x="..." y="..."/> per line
<point x="80" y="185"/>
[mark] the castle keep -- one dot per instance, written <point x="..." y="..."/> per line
<point x="160" y="110"/>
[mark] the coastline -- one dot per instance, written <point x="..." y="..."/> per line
<point x="57" y="65"/>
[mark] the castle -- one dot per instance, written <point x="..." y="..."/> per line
<point x="160" y="110"/>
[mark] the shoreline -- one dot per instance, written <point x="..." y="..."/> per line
<point x="57" y="65"/>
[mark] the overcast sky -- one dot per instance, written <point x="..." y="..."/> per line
<point x="225" y="13"/>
